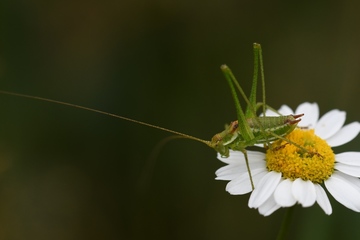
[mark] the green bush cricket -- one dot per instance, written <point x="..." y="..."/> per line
<point x="246" y="131"/>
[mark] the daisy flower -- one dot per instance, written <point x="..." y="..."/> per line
<point x="286" y="174"/>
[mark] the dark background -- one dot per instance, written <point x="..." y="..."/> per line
<point x="70" y="174"/>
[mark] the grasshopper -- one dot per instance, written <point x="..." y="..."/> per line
<point x="246" y="131"/>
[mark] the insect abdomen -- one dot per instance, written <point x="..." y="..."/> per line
<point x="273" y="122"/>
<point x="266" y="128"/>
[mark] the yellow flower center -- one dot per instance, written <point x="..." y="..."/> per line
<point x="311" y="159"/>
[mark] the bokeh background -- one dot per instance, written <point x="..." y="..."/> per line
<point x="67" y="173"/>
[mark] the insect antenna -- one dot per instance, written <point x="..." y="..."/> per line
<point x="108" y="114"/>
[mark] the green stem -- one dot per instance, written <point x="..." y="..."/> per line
<point x="285" y="224"/>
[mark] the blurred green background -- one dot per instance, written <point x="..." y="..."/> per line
<point x="70" y="174"/>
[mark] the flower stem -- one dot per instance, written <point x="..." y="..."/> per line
<point x="285" y="223"/>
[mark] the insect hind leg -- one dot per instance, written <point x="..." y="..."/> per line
<point x="288" y="141"/>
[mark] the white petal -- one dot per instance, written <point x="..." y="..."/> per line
<point x="330" y="123"/>
<point x="234" y="157"/>
<point x="322" y="199"/>
<point x="255" y="156"/>
<point x="311" y="111"/>
<point x="264" y="189"/>
<point x="233" y="171"/>
<point x="228" y="172"/>
<point x="283" y="195"/>
<point x="344" y="135"/>
<point x="353" y="180"/>
<point x="269" y="207"/>
<point x="344" y="191"/>
<point x="285" y="110"/>
<point x="238" y="157"/>
<point x="304" y="192"/>
<point x="258" y="176"/>
<point x="348" y="169"/>
<point x="349" y="158"/>
<point x="239" y="186"/>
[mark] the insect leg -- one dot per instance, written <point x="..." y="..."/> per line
<point x="295" y="144"/>
<point x="248" y="168"/>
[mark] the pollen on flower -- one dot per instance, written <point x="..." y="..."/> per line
<point x="312" y="159"/>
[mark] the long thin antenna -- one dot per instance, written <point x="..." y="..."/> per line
<point x="106" y="113"/>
